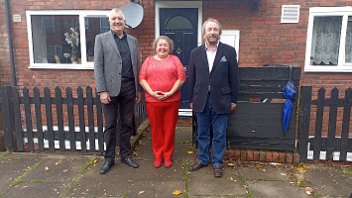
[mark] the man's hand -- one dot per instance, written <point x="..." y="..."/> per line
<point x="104" y="97"/>
<point x="138" y="96"/>
<point x="233" y="106"/>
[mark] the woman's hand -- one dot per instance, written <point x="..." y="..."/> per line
<point x="157" y="94"/>
<point x="165" y="95"/>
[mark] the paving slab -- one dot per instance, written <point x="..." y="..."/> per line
<point x="328" y="181"/>
<point x="49" y="178"/>
<point x="12" y="166"/>
<point x="265" y="189"/>
<point x="145" y="181"/>
<point x="264" y="172"/>
<point x="203" y="184"/>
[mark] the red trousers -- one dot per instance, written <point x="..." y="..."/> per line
<point x="163" y="117"/>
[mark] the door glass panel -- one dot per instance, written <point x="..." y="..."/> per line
<point x="178" y="22"/>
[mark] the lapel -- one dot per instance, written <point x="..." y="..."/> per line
<point x="112" y="42"/>
<point x="131" y="46"/>
<point x="203" y="57"/>
<point x="218" y="55"/>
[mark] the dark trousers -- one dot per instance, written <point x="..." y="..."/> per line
<point x="120" y="107"/>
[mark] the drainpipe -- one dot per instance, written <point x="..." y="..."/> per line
<point x="9" y="33"/>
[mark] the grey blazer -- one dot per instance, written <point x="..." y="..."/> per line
<point x="108" y="63"/>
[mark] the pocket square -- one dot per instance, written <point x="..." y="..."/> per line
<point x="223" y="59"/>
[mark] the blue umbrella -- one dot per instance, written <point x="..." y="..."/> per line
<point x="289" y="91"/>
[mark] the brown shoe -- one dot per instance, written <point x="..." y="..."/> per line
<point x="196" y="166"/>
<point x="218" y="172"/>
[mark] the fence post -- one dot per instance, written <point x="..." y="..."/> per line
<point x="7" y="111"/>
<point x="303" y="129"/>
<point x="318" y="124"/>
<point x="332" y="123"/>
<point x="346" y="124"/>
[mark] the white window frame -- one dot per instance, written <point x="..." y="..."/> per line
<point x="179" y="4"/>
<point x="232" y="38"/>
<point x="81" y="15"/>
<point x="344" y="12"/>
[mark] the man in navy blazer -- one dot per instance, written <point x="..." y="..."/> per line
<point x="214" y="82"/>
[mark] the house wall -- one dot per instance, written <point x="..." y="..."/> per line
<point x="5" y="70"/>
<point x="263" y="39"/>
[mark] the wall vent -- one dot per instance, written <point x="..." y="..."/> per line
<point x="290" y="13"/>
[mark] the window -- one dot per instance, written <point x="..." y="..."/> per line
<point x="64" y="39"/>
<point x="329" y="40"/>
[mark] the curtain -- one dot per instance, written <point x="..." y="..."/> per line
<point x="326" y="40"/>
<point x="348" y="45"/>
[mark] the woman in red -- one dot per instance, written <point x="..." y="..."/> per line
<point x="162" y="76"/>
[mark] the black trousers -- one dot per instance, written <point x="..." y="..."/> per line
<point x="120" y="107"/>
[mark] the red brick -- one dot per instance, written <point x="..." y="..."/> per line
<point x="296" y="158"/>
<point x="262" y="156"/>
<point x="276" y="156"/>
<point x="256" y="155"/>
<point x="237" y="154"/>
<point x="289" y="157"/>
<point x="250" y="155"/>
<point x="243" y="155"/>
<point x="282" y="157"/>
<point x="269" y="156"/>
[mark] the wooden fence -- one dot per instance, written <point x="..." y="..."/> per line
<point x="322" y="133"/>
<point x="73" y="122"/>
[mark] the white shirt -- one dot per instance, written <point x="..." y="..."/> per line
<point x="211" y="55"/>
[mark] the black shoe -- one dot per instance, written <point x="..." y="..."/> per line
<point x="106" y="166"/>
<point x="130" y="162"/>
<point x="196" y="166"/>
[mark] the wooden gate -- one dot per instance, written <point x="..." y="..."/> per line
<point x="324" y="125"/>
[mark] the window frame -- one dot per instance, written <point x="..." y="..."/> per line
<point x="82" y="14"/>
<point x="342" y="66"/>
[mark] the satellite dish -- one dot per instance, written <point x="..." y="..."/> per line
<point x="134" y="13"/>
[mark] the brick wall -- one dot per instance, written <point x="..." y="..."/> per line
<point x="66" y="78"/>
<point x="263" y="40"/>
<point x="5" y="70"/>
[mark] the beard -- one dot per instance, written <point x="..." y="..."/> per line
<point x="212" y="40"/>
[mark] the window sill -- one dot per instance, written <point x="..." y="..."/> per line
<point x="334" y="69"/>
<point x="62" y="66"/>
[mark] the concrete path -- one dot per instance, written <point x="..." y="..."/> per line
<point x="74" y="175"/>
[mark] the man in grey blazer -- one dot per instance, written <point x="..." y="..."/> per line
<point x="116" y="66"/>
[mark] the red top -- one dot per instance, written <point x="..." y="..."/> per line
<point x="161" y="75"/>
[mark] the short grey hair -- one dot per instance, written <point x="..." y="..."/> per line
<point x="116" y="10"/>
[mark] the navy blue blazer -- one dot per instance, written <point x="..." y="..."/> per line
<point x="221" y="84"/>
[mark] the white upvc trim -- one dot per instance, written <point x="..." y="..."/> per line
<point x="342" y="66"/>
<point x="178" y="4"/>
<point x="85" y="65"/>
<point x="234" y="39"/>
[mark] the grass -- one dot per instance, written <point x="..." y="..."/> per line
<point x="21" y="178"/>
<point x="91" y="161"/>
<point x="5" y="154"/>
<point x="245" y="185"/>
<point x="347" y="171"/>
<point x="185" y="164"/>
